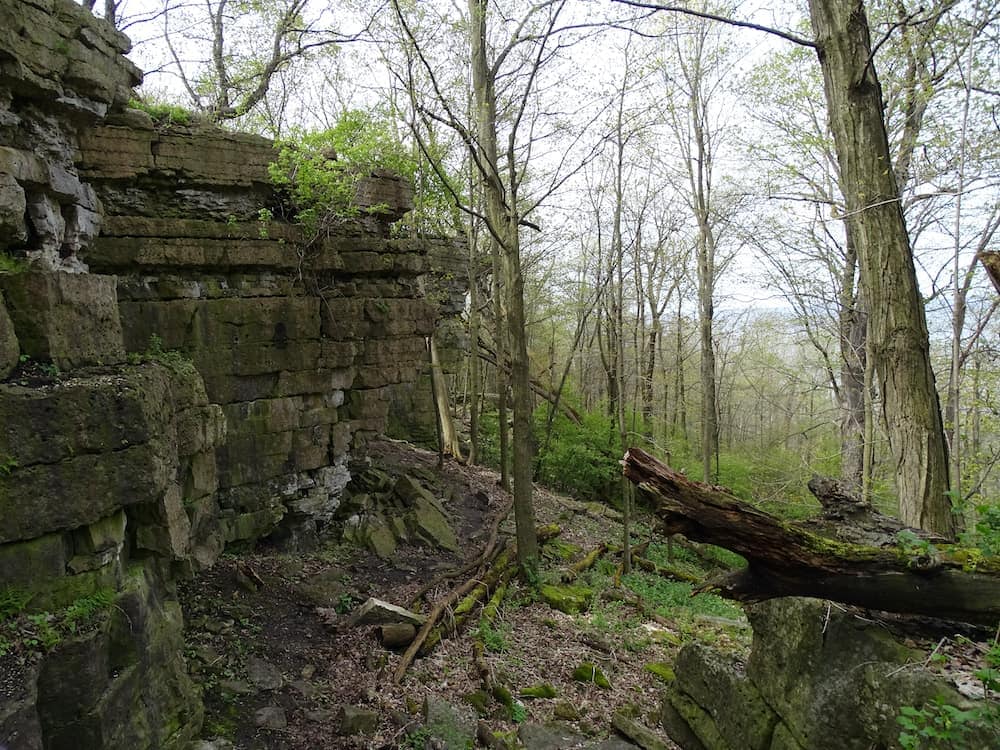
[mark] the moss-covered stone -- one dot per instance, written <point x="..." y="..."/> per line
<point x="544" y="690"/>
<point x="714" y="680"/>
<point x="479" y="700"/>
<point x="426" y="522"/>
<point x="590" y="672"/>
<point x="380" y="538"/>
<point x="662" y="670"/>
<point x="688" y="725"/>
<point x="566" y="711"/>
<point x="808" y="662"/>
<point x="568" y="599"/>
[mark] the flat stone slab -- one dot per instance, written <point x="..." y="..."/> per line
<point x="378" y="612"/>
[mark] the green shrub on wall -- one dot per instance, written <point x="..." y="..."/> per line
<point x="321" y="171"/>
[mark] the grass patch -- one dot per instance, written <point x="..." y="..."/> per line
<point x="669" y="598"/>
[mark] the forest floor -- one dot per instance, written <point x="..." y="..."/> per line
<point x="281" y="670"/>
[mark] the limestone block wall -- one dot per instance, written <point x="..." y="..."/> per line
<point x="175" y="376"/>
<point x="299" y="344"/>
<point x="60" y="72"/>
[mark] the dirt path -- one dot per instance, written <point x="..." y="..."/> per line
<point x="275" y="675"/>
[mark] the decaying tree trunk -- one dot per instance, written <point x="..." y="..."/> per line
<point x="991" y="262"/>
<point x="910" y="574"/>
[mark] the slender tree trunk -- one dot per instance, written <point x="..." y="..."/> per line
<point x="475" y="375"/>
<point x="448" y="435"/>
<point x="501" y="212"/>
<point x="680" y="396"/>
<point x="853" y="325"/>
<point x="502" y="380"/>
<point x="709" y="403"/>
<point x="898" y="323"/>
<point x="647" y="381"/>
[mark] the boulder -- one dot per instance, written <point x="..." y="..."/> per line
<point x="715" y="680"/>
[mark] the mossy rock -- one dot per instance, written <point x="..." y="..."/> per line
<point x="381" y="539"/>
<point x="568" y="599"/>
<point x="590" y="672"/>
<point x="566" y="711"/>
<point x="479" y="700"/>
<point x="561" y="550"/>
<point x="544" y="690"/>
<point x="662" y="670"/>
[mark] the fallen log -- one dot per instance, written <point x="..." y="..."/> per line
<point x="787" y="559"/>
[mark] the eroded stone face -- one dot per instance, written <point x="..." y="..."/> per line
<point x="13" y="230"/>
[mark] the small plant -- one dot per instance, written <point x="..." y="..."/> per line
<point x="83" y="610"/>
<point x="7" y="466"/>
<point x="46" y="634"/>
<point x="494" y="638"/>
<point x="345" y="603"/>
<point x="12" y="603"/>
<point x="175" y="360"/>
<point x="264" y="218"/>
<point x="941" y="725"/>
<point x="11" y="264"/>
<point x="919" y="552"/>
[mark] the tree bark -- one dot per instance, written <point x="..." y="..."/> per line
<point x="875" y="219"/>
<point x="788" y="559"/>
<point x="503" y="221"/>
<point x="450" y="443"/>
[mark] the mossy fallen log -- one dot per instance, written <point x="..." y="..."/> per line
<point x="913" y="576"/>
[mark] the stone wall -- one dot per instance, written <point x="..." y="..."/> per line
<point x="299" y="346"/>
<point x="175" y="375"/>
<point x="818" y="678"/>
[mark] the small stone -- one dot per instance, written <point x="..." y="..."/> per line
<point x="217" y="627"/>
<point x="642" y="736"/>
<point x="320" y="715"/>
<point x="662" y="670"/>
<point x="305" y="689"/>
<point x="263" y="674"/>
<point x="377" y="612"/>
<point x="206" y="654"/>
<point x="270" y="717"/>
<point x="219" y="743"/>
<point x="354" y="720"/>
<point x="566" y="711"/>
<point x="590" y="672"/>
<point x="568" y="599"/>
<point x="548" y="737"/>
<point x="538" y="691"/>
<point x="236" y="687"/>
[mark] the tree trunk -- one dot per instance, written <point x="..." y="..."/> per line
<point x="874" y="214"/>
<point x="789" y="559"/>
<point x="449" y="436"/>
<point x="853" y="325"/>
<point x="503" y="223"/>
